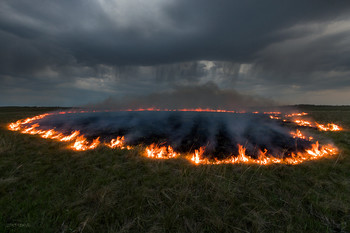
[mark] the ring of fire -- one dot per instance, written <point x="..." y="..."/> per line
<point x="80" y="141"/>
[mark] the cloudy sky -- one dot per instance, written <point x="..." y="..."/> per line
<point x="76" y="52"/>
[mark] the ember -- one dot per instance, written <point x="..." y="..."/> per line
<point x="207" y="137"/>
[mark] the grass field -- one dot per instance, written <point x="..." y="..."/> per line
<point x="45" y="187"/>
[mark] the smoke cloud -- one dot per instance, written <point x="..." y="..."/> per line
<point x="203" y="96"/>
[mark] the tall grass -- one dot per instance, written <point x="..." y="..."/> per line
<point x="45" y="187"/>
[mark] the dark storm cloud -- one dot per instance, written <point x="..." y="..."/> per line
<point x="90" y="31"/>
<point x="122" y="47"/>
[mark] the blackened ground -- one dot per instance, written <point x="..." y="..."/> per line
<point x="220" y="133"/>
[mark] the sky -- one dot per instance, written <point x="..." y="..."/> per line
<point x="79" y="52"/>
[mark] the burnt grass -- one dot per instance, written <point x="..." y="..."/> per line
<point x="45" y="187"/>
<point x="219" y="133"/>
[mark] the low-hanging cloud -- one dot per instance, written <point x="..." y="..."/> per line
<point x="295" y="47"/>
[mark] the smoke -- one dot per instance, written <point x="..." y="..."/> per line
<point x="220" y="133"/>
<point x="207" y="95"/>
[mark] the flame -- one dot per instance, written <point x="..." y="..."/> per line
<point x="160" y="152"/>
<point x="70" y="137"/>
<point x="81" y="143"/>
<point x="182" y="110"/>
<point x="18" y="124"/>
<point x="196" y="157"/>
<point x="296" y="114"/>
<point x="315" y="152"/>
<point x="303" y="123"/>
<point x="275" y="117"/>
<point x="272" y="113"/>
<point x="116" y="143"/>
<point x="329" y="127"/>
<point x="298" y="134"/>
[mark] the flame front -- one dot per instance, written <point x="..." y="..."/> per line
<point x="315" y="152"/>
<point x="79" y="142"/>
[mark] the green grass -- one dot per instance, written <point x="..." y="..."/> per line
<point x="45" y="187"/>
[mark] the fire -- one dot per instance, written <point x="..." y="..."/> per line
<point x="303" y="123"/>
<point x="206" y="110"/>
<point x="318" y="151"/>
<point x="79" y="142"/>
<point x="275" y="117"/>
<point x="272" y="113"/>
<point x="182" y="110"/>
<point x="315" y="152"/>
<point x="296" y="114"/>
<point x="329" y="127"/>
<point x="70" y="137"/>
<point x="18" y="124"/>
<point x="196" y="157"/>
<point x="298" y="134"/>
<point x="116" y="143"/>
<point x="162" y="152"/>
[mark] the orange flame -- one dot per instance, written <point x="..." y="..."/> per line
<point x="183" y="110"/>
<point x="81" y="144"/>
<point x="275" y="117"/>
<point x="162" y="152"/>
<point x="303" y="123"/>
<point x="298" y="134"/>
<point x="329" y="127"/>
<point x="117" y="143"/>
<point x="315" y="152"/>
<point x="296" y="114"/>
<point x="272" y="113"/>
<point x="18" y="124"/>
<point x="70" y="137"/>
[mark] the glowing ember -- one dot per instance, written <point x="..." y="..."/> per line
<point x="296" y="114"/>
<point x="81" y="143"/>
<point x="272" y="113"/>
<point x="182" y="110"/>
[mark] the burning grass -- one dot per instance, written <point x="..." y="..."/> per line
<point x="223" y="133"/>
<point x="46" y="188"/>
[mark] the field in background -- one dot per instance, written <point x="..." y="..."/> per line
<point x="45" y="187"/>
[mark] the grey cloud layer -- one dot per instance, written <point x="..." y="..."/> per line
<point x="90" y="45"/>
